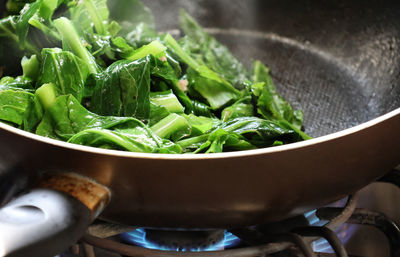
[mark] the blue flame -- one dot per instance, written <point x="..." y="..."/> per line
<point x="344" y="233"/>
<point x="138" y="237"/>
<point x="320" y="245"/>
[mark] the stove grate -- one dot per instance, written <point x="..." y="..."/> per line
<point x="297" y="241"/>
<point x="261" y="241"/>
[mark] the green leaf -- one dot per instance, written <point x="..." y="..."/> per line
<point x="67" y="117"/>
<point x="33" y="115"/>
<point x="64" y="118"/>
<point x="8" y="27"/>
<point x="200" y="124"/>
<point x="242" y="108"/>
<point x="18" y="83"/>
<point x="215" y="142"/>
<point x="67" y="120"/>
<point x="67" y="71"/>
<point x="41" y="19"/>
<point x="72" y="42"/>
<point x="37" y="14"/>
<point x="167" y="100"/>
<point x="260" y="132"/>
<point x="123" y="89"/>
<point x="91" y="21"/>
<point x="141" y="35"/>
<point x="157" y="113"/>
<point x="121" y="47"/>
<point x="134" y="18"/>
<point x="158" y="80"/>
<point x="91" y="16"/>
<point x="155" y="48"/>
<point x="163" y="70"/>
<point x="30" y="67"/>
<point x="202" y="109"/>
<point x="109" y="139"/>
<point x="241" y="134"/>
<point x="217" y="94"/>
<point x="22" y="23"/>
<point x="270" y="104"/>
<point x="215" y="89"/>
<point x="173" y="126"/>
<point x="98" y="12"/>
<point x="134" y="140"/>
<point x="14" y="104"/>
<point x="214" y="55"/>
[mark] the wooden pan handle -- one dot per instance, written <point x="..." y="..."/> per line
<point x="92" y="194"/>
<point x="47" y="220"/>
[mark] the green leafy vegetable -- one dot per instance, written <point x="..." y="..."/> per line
<point x="173" y="126"/>
<point x="67" y="120"/>
<point x="201" y="125"/>
<point x="47" y="95"/>
<point x="67" y="71"/>
<point x="30" y="67"/>
<point x="136" y="20"/>
<point x="18" y="83"/>
<point x="66" y="117"/>
<point x="124" y="90"/>
<point x="164" y="71"/>
<point x="168" y="100"/>
<point x="216" y="90"/>
<point x="242" y="108"/>
<point x="157" y="113"/>
<point x="210" y="52"/>
<point x="270" y="104"/>
<point x="155" y="48"/>
<point x="72" y="42"/>
<point x="97" y="73"/>
<point x="13" y="105"/>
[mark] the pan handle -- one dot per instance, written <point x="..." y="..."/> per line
<point x="41" y="223"/>
<point x="48" y="220"/>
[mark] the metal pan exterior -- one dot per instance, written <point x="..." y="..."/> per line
<point x="217" y="190"/>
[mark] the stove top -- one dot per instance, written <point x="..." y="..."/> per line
<point x="325" y="232"/>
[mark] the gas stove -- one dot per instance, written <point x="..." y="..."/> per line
<point x="342" y="229"/>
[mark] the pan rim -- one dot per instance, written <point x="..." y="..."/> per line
<point x="225" y="155"/>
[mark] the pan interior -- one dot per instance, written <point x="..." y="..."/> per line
<point x="338" y="61"/>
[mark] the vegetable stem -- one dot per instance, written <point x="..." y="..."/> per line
<point x="155" y="48"/>
<point x="8" y="33"/>
<point x="171" y="42"/>
<point x="30" y="67"/>
<point x="168" y="101"/>
<point x="72" y="40"/>
<point x="169" y="125"/>
<point x="193" y="140"/>
<point x="95" y="17"/>
<point x="303" y="135"/>
<point x="201" y="69"/>
<point x="46" y="29"/>
<point x="47" y="95"/>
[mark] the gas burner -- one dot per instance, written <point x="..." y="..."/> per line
<point x="288" y="237"/>
<point x="298" y="236"/>
<point x="181" y="240"/>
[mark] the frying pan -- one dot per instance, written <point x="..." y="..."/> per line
<point x="338" y="61"/>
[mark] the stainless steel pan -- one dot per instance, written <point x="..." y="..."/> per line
<point x="337" y="60"/>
